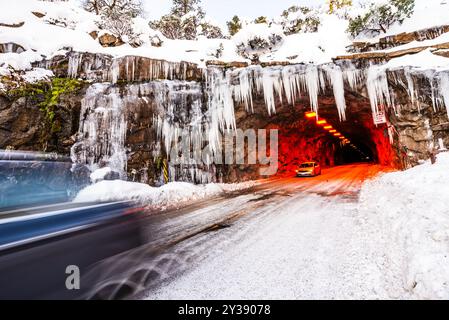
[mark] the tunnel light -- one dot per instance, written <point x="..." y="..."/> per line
<point x="332" y="131"/>
<point x="337" y="134"/>
<point x="328" y="127"/>
<point x="321" y="122"/>
<point x="342" y="138"/>
<point x="310" y="114"/>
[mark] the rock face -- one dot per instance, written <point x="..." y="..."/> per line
<point x="11" y="47"/>
<point x="104" y="68"/>
<point x="419" y="124"/>
<point x="133" y="108"/>
<point x="23" y="124"/>
<point x="109" y="40"/>
<point x="399" y="39"/>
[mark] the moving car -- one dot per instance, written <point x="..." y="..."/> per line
<point x="42" y="233"/>
<point x="308" y="169"/>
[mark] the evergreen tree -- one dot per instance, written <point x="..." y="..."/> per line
<point x="261" y="19"/>
<point x="299" y="19"/>
<point x="380" y="17"/>
<point x="234" y="25"/>
<point x="116" y="15"/>
<point x="186" y="21"/>
<point x="182" y="7"/>
<point x="338" y="4"/>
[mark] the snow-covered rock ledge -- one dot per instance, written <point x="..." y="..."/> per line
<point x="407" y="214"/>
<point x="173" y="194"/>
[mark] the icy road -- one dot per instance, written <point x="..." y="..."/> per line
<point x="289" y="238"/>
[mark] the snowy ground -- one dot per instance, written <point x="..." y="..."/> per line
<point x="173" y="194"/>
<point x="329" y="237"/>
<point x="408" y="215"/>
<point x="294" y="239"/>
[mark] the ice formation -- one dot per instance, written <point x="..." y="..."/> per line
<point x="102" y="131"/>
<point x="378" y="89"/>
<point x="74" y="64"/>
<point x="202" y="113"/>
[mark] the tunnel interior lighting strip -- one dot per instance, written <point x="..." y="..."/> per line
<point x="310" y="114"/>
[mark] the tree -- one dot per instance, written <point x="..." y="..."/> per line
<point x="182" y="7"/>
<point x="234" y="25"/>
<point x="380" y="17"/>
<point x="338" y="4"/>
<point x="116" y="15"/>
<point x="114" y="8"/>
<point x="261" y="19"/>
<point x="299" y="19"/>
<point x="210" y="31"/>
<point x="257" y="39"/>
<point x="186" y="21"/>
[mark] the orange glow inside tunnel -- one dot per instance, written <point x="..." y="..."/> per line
<point x="310" y="114"/>
<point x="321" y="122"/>
<point x="328" y="127"/>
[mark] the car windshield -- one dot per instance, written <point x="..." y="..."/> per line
<point x="28" y="178"/>
<point x="306" y="165"/>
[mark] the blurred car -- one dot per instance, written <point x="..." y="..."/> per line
<point x="42" y="232"/>
<point x="308" y="169"/>
<point x="38" y="244"/>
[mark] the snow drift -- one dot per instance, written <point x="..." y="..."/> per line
<point x="169" y="195"/>
<point x="409" y="215"/>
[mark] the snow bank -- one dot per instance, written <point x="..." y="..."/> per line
<point x="410" y="211"/>
<point x="169" y="195"/>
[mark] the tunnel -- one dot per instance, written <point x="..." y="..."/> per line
<point x="305" y="135"/>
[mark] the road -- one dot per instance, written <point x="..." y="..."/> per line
<point x="287" y="238"/>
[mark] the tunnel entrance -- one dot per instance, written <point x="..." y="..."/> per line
<point x="323" y="137"/>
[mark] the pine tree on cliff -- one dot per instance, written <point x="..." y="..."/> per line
<point x="182" y="7"/>
<point x="116" y="15"/>
<point x="186" y="21"/>
<point x="234" y="25"/>
<point x="379" y="17"/>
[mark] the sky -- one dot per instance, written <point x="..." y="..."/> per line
<point x="223" y="10"/>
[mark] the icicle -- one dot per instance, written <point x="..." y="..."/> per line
<point x="291" y="83"/>
<point x="102" y="131"/>
<point x="411" y="88"/>
<point x="114" y="71"/>
<point x="220" y="106"/>
<point x="336" y="78"/>
<point x="312" y="83"/>
<point x="271" y="82"/>
<point x="243" y="91"/>
<point x="378" y="90"/>
<point x="353" y="76"/>
<point x="74" y="64"/>
<point x="443" y="86"/>
<point x="130" y="68"/>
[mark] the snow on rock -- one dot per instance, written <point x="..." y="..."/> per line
<point x="314" y="47"/>
<point x="256" y="39"/>
<point x="409" y="214"/>
<point x="100" y="174"/>
<point x="37" y="74"/>
<point x="169" y="195"/>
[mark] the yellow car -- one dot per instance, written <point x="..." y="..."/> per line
<point x="308" y="169"/>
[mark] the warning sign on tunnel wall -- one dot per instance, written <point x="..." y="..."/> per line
<point x="379" y="117"/>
